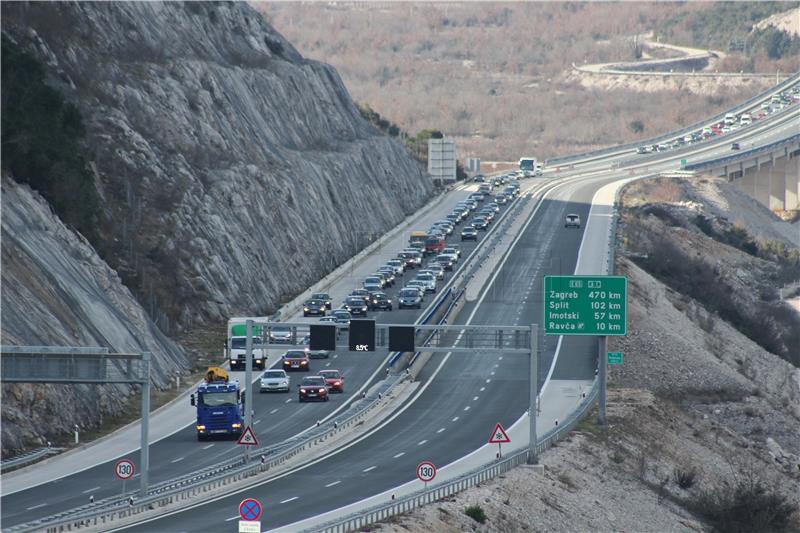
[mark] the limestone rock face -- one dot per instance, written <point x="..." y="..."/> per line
<point x="56" y="291"/>
<point x="234" y="172"/>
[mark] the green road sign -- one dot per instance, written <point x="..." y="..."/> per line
<point x="614" y="358"/>
<point x="585" y="305"/>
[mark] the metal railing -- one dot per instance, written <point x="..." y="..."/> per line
<point x="744" y="154"/>
<point x="698" y="125"/>
<point x="21" y="460"/>
<point x="447" y="488"/>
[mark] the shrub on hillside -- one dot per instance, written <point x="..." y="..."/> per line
<point x="746" y="506"/>
<point x="42" y="141"/>
<point x="476" y="512"/>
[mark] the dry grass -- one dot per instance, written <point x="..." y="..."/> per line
<point x="491" y="75"/>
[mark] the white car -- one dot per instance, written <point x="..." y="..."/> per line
<point x="429" y="279"/>
<point x="572" y="221"/>
<point x="274" y="380"/>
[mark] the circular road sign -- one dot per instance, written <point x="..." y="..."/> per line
<point x="250" y="509"/>
<point x="426" y="471"/>
<point x="124" y="469"/>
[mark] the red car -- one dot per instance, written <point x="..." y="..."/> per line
<point x="333" y="379"/>
<point x="296" y="360"/>
<point x="313" y="388"/>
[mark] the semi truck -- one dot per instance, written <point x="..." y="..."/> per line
<point x="236" y="345"/>
<point x="219" y="404"/>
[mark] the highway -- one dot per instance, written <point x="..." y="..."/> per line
<point x="460" y="397"/>
<point x="279" y="412"/>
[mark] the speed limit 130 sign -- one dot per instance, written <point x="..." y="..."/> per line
<point x="124" y="469"/>
<point x="426" y="471"/>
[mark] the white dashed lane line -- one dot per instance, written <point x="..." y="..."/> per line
<point x="488" y="381"/>
<point x="90" y="490"/>
<point x="483" y="389"/>
<point x="369" y="468"/>
<point x="233" y="518"/>
<point x="271" y="412"/>
<point x="179" y="459"/>
<point x="466" y="408"/>
<point x="288" y="400"/>
<point x="401" y="454"/>
<point x="332" y="484"/>
<point x="207" y="447"/>
<point x="290" y="499"/>
<point x="439" y="430"/>
<point x="475" y="398"/>
<point x="455" y="419"/>
<point x="35" y="507"/>
<point x="420" y="443"/>
<point x="257" y="422"/>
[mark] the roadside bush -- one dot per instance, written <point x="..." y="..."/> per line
<point x="476" y="513"/>
<point x="42" y="138"/>
<point x="746" y="506"/>
<point x="684" y="476"/>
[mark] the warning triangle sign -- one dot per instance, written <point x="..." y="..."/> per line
<point x="248" y="438"/>
<point x="498" y="435"/>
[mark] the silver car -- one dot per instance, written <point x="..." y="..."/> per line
<point x="274" y="380"/>
<point x="429" y="279"/>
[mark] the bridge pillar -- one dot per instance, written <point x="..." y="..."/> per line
<point x="777" y="184"/>
<point x="792" y="182"/>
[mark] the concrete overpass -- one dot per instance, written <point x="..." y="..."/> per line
<point x="769" y="173"/>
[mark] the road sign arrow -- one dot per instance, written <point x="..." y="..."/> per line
<point x="248" y="438"/>
<point x="498" y="435"/>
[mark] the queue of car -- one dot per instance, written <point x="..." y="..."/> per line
<point x="730" y="123"/>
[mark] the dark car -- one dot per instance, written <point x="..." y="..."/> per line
<point x="735" y="146"/>
<point x="479" y="223"/>
<point x="380" y="300"/>
<point x="341" y="318"/>
<point x="324" y="297"/>
<point x="409" y="297"/>
<point x="314" y="307"/>
<point x="313" y="388"/>
<point x="362" y="293"/>
<point x="478" y="178"/>
<point x="296" y="360"/>
<point x="355" y="305"/>
<point x="446" y="261"/>
<point x="333" y="379"/>
<point x="469" y="234"/>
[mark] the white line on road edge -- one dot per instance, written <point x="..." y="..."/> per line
<point x="332" y="484"/>
<point x="290" y="499"/>
<point x="35" y="507"/>
<point x="90" y="490"/>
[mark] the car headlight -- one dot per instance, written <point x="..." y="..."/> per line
<point x="303" y="391"/>
<point x="305" y="309"/>
<point x="337" y="383"/>
<point x="236" y="425"/>
<point x="285" y="383"/>
<point x="258" y="360"/>
<point x="200" y="427"/>
<point x="321" y="391"/>
<point x="374" y="301"/>
<point x="303" y="362"/>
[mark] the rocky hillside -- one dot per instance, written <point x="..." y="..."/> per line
<point x="233" y="172"/>
<point x="57" y="291"/>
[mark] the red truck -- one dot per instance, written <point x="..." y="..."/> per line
<point x="434" y="244"/>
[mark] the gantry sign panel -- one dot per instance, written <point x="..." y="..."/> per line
<point x="585" y="305"/>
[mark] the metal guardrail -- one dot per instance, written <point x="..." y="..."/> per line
<point x="27" y="458"/>
<point x="445" y="489"/>
<point x="742" y="155"/>
<point x="105" y="511"/>
<point x="698" y="125"/>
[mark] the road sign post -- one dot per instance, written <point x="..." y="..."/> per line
<point x="248" y="382"/>
<point x="534" y="395"/>
<point x="499" y="436"/>
<point x="250" y="511"/>
<point x="144" y="431"/>
<point x="426" y="471"/>
<point x="124" y="469"/>
<point x="585" y="305"/>
<point x="601" y="361"/>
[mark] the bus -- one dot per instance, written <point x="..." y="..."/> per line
<point x="528" y="166"/>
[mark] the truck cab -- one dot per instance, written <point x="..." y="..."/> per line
<point x="236" y="346"/>
<point x="218" y="401"/>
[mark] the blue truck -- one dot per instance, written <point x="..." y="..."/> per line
<point x="219" y="403"/>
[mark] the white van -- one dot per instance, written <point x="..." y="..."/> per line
<point x="730" y="119"/>
<point x="745" y="119"/>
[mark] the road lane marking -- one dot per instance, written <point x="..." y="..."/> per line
<point x="332" y="484"/>
<point x="491" y="373"/>
<point x="500" y="358"/>
<point x="179" y="459"/>
<point x="327" y="364"/>
<point x="288" y="400"/>
<point x="420" y="443"/>
<point x="369" y="468"/>
<point x="488" y="381"/>
<point x="455" y="419"/>
<point x="271" y="412"/>
<point x="35" y="507"/>
<point x="290" y="499"/>
<point x="439" y="430"/>
<point x="90" y="490"/>
<point x="483" y="389"/>
<point x="233" y="518"/>
<point x="257" y="422"/>
<point x="335" y="356"/>
<point x="466" y="408"/>
<point x="475" y="398"/>
<point x="207" y="447"/>
<point x="399" y="454"/>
